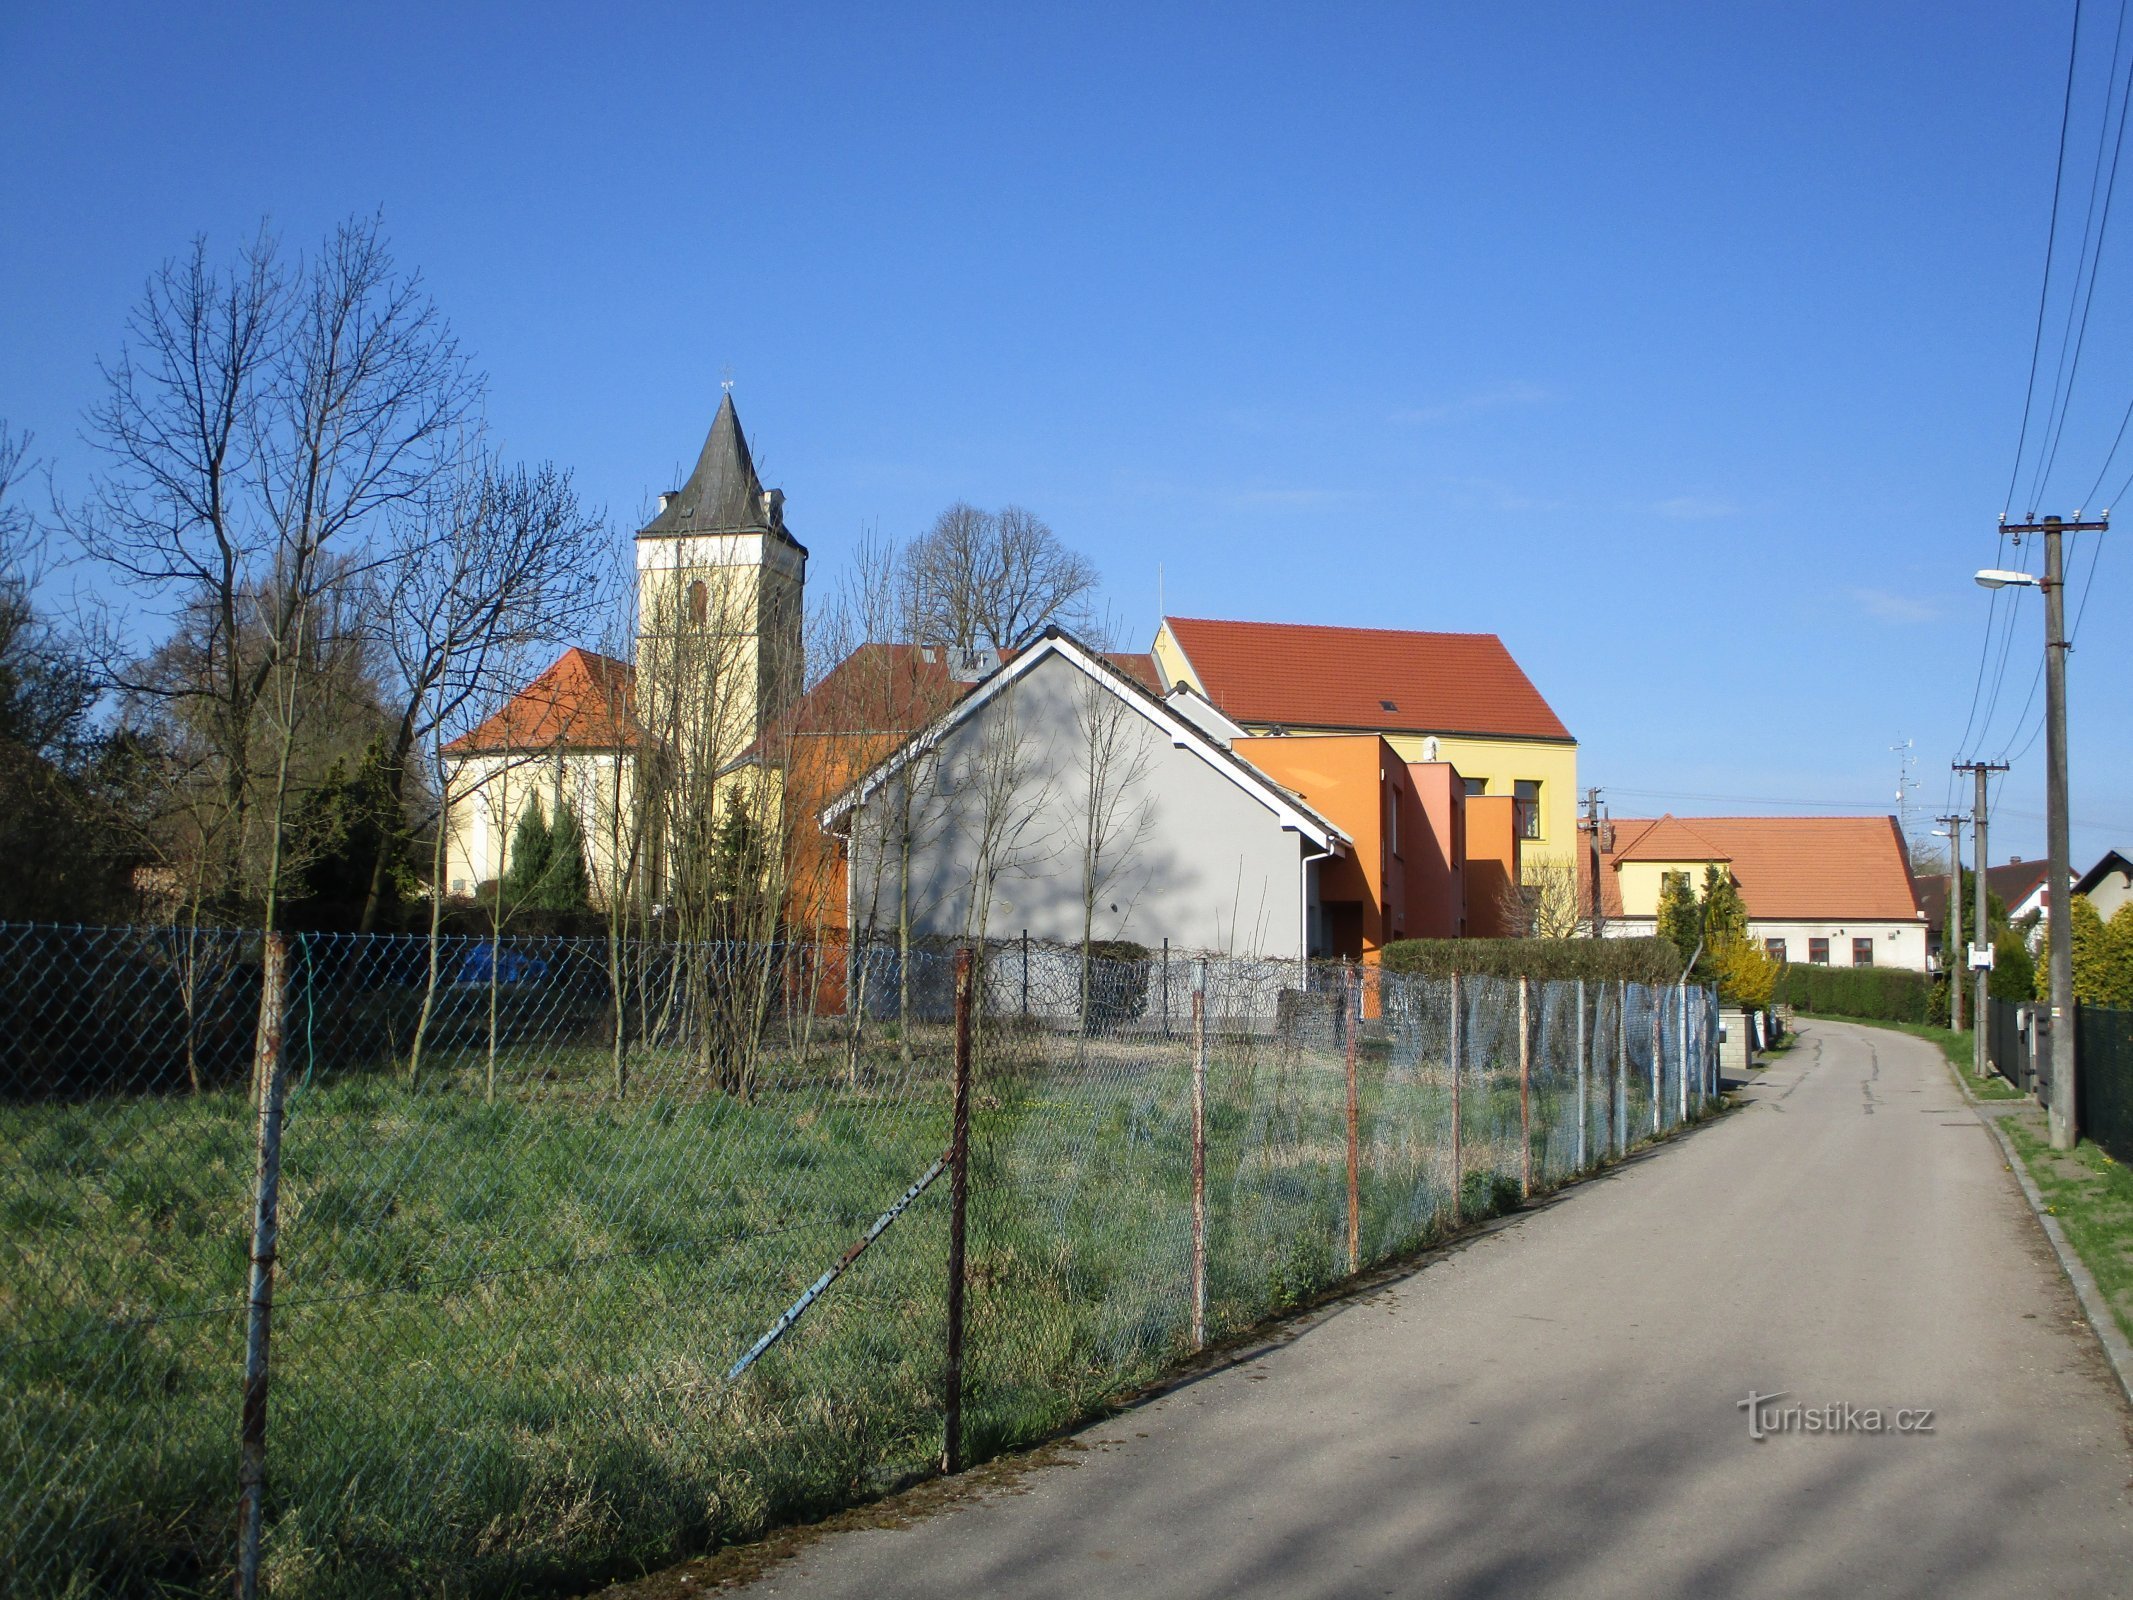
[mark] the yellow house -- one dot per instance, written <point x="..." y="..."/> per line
<point x="1456" y="697"/>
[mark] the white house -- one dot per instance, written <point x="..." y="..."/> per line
<point x="1832" y="891"/>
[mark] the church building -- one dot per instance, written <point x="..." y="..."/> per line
<point x="720" y="590"/>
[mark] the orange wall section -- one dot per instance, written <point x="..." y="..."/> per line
<point x="1492" y="865"/>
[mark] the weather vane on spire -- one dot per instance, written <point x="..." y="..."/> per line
<point x="726" y="382"/>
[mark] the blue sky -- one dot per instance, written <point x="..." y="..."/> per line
<point x="1682" y="346"/>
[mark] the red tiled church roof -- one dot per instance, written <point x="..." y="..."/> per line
<point x="1790" y="869"/>
<point x="1367" y="679"/>
<point x="584" y="701"/>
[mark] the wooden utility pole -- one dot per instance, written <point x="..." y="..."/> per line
<point x="1952" y="921"/>
<point x="2058" y="911"/>
<point x="1980" y="934"/>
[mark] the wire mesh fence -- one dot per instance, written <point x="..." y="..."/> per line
<point x="585" y="1254"/>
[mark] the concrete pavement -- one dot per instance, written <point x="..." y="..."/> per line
<point x="1556" y="1409"/>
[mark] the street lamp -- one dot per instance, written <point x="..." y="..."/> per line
<point x="2058" y="910"/>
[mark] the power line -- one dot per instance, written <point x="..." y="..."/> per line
<point x="2051" y="238"/>
<point x="2085" y="261"/>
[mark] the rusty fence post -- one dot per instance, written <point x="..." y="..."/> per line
<point x="1525" y="1088"/>
<point x="1199" y="1155"/>
<point x="266" y="1227"/>
<point x="1584" y="1100"/>
<point x="1352" y="1014"/>
<point x="1458" y="1148"/>
<point x="958" y="1215"/>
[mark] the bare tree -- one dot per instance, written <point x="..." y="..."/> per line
<point x="1547" y="905"/>
<point x="1117" y="813"/>
<point x="486" y="563"/>
<point x="257" y="427"/>
<point x="993" y="578"/>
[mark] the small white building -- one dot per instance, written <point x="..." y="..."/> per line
<point x="1829" y="891"/>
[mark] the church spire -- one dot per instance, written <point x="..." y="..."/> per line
<point x="723" y="494"/>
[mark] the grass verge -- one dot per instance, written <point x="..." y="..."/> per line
<point x="2092" y="1196"/>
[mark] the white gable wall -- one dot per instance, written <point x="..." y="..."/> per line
<point x="1201" y="859"/>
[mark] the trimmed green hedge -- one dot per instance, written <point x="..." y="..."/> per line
<point x="1608" y="960"/>
<point x="1881" y="994"/>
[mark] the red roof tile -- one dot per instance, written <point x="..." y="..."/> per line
<point x="1296" y="675"/>
<point x="584" y="701"/>
<point x="1790" y="869"/>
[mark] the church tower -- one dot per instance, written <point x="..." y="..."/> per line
<point x="719" y="588"/>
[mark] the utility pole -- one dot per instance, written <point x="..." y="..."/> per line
<point x="1980" y="934"/>
<point x="1951" y="933"/>
<point x="2058" y="911"/>
<point x="1592" y="833"/>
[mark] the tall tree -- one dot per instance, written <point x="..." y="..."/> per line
<point x="256" y="428"/>
<point x="993" y="578"/>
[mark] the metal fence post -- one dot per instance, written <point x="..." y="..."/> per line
<point x="1025" y="972"/>
<point x="1584" y="1111"/>
<point x="1166" y="988"/>
<point x="1525" y="1089"/>
<point x="1458" y="1150"/>
<point x="1199" y="1155"/>
<point x="1681" y="1048"/>
<point x="1620" y="1121"/>
<point x="958" y="1214"/>
<point x="1352" y="1017"/>
<point x="1658" y="1049"/>
<point x="266" y="1226"/>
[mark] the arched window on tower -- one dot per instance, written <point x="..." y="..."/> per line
<point x="699" y="603"/>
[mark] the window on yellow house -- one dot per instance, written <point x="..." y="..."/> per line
<point x="1526" y="807"/>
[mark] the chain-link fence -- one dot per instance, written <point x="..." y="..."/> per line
<point x="477" y="1265"/>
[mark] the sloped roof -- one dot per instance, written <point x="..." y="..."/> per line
<point x="1370" y="680"/>
<point x="1790" y="869"/>
<point x="898" y="688"/>
<point x="1105" y="670"/>
<point x="2012" y="882"/>
<point x="584" y="701"/>
<point x="2109" y="862"/>
<point x="1668" y="839"/>
<point x="723" y="493"/>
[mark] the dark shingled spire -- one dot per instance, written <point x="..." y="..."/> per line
<point x="723" y="494"/>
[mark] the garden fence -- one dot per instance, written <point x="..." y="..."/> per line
<point x="2103" y="1082"/>
<point x="481" y="1265"/>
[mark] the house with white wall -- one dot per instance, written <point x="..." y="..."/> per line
<point x="1831" y="891"/>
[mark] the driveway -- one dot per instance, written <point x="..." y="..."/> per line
<point x="1557" y="1407"/>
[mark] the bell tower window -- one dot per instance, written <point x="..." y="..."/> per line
<point x="699" y="603"/>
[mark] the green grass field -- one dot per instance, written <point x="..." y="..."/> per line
<point x="502" y="1330"/>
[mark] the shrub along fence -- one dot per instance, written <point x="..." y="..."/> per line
<point x="1881" y="994"/>
<point x="508" y="1266"/>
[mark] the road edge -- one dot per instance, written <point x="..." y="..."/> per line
<point x="2117" y="1350"/>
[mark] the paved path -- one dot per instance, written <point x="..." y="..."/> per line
<point x="1554" y="1410"/>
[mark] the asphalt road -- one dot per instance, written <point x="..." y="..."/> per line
<point x="1556" y="1409"/>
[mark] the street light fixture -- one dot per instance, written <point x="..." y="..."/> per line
<point x="2001" y="578"/>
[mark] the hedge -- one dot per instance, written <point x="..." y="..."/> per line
<point x="1881" y="994"/>
<point x="1654" y="961"/>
